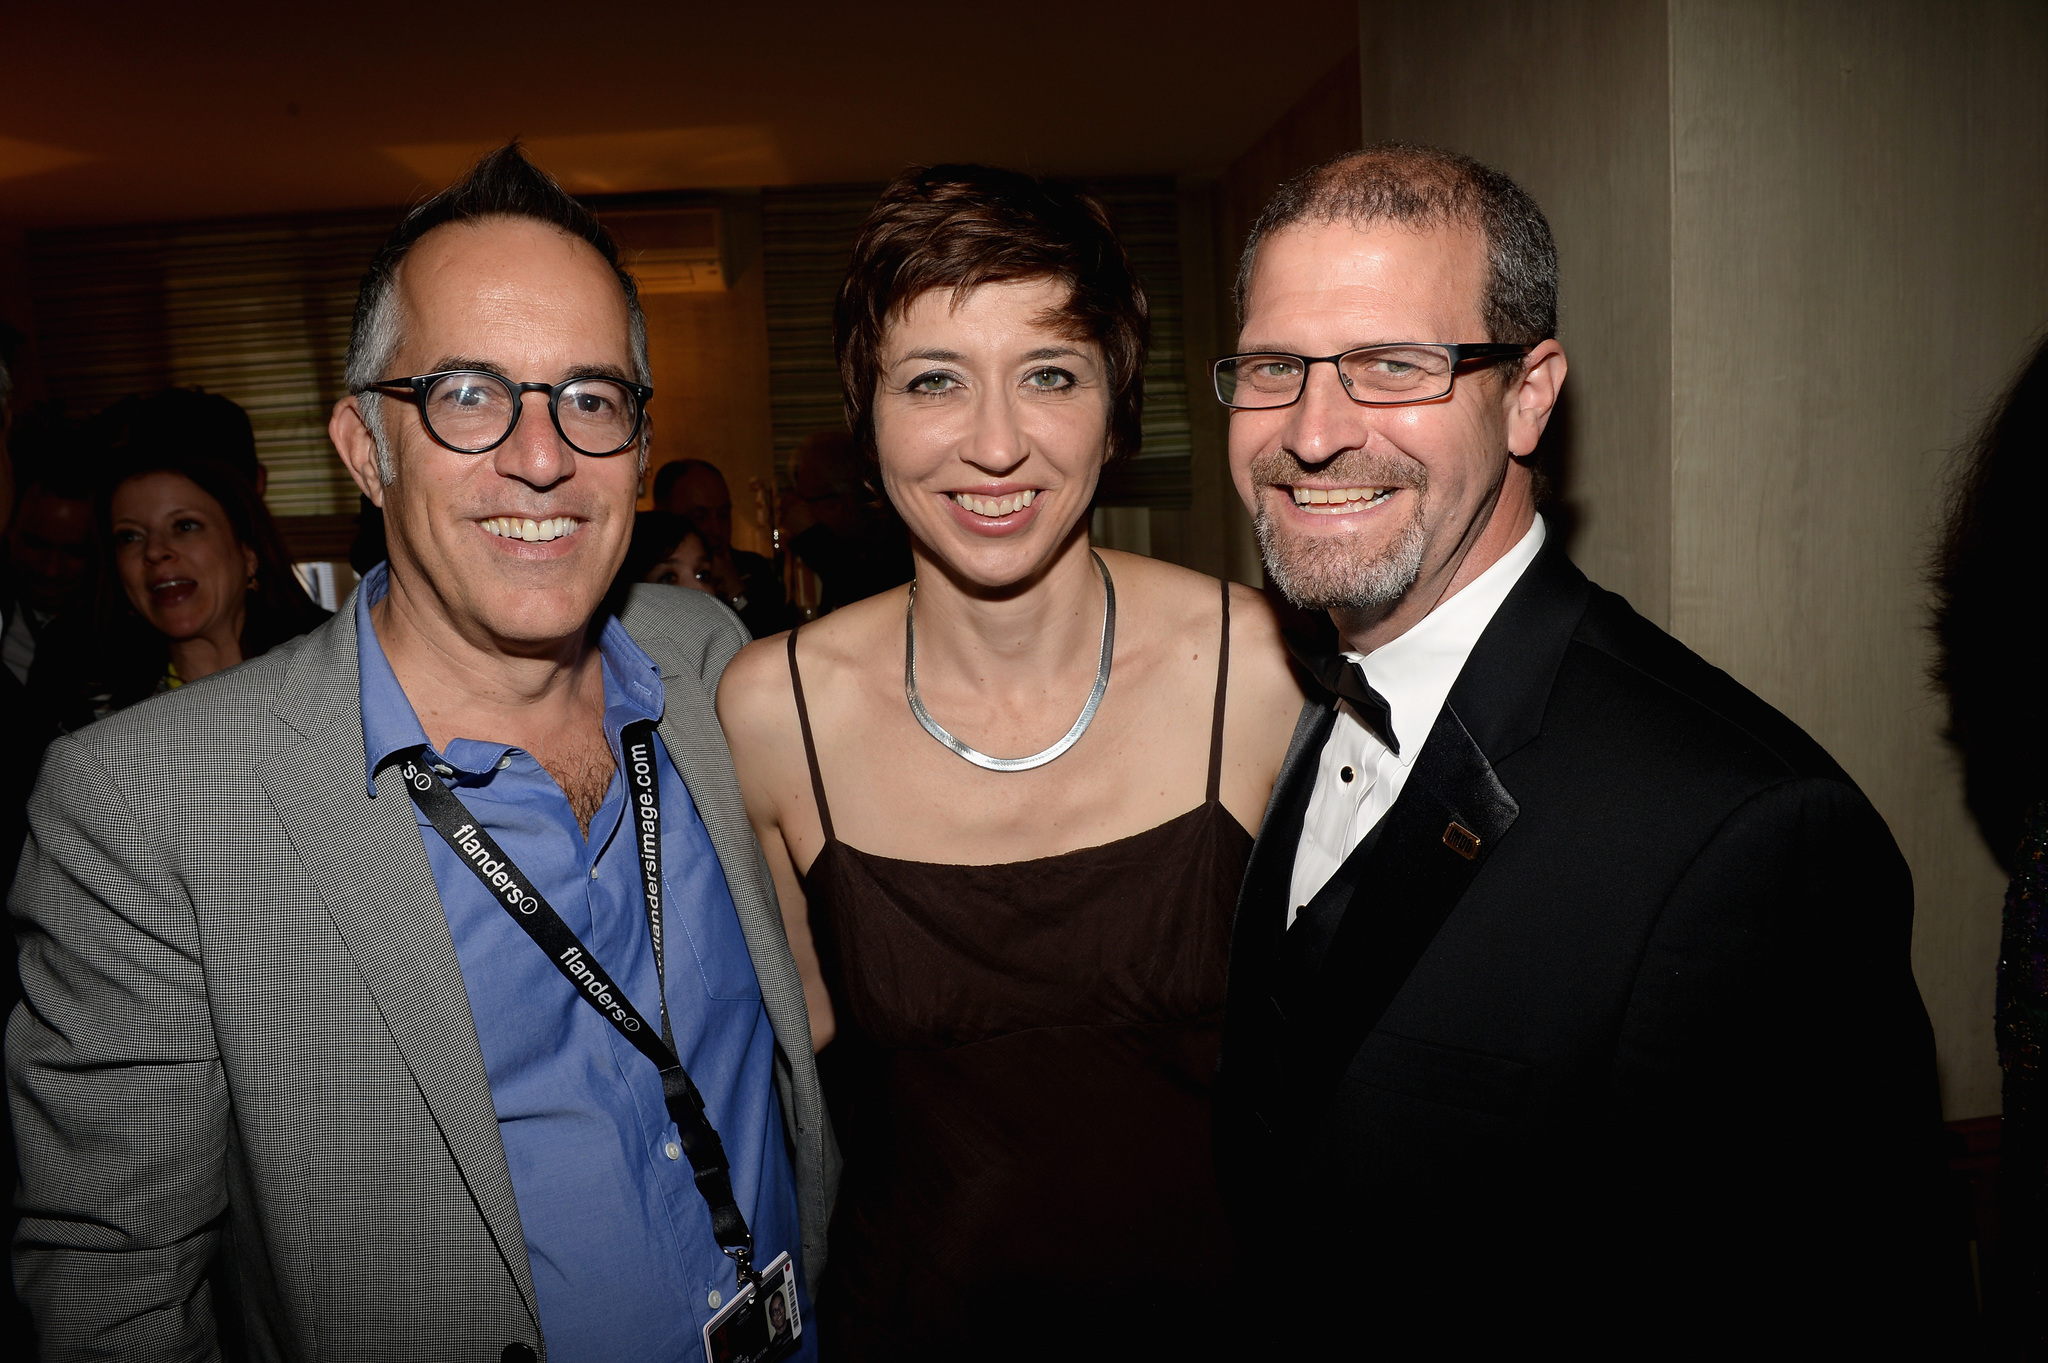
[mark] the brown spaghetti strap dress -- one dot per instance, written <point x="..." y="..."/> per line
<point x="1020" y="1083"/>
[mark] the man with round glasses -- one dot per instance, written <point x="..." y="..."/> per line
<point x="420" y="985"/>
<point x="1570" y="993"/>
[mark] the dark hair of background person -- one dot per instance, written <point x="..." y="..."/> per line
<point x="113" y="651"/>
<point x="183" y="423"/>
<point x="1427" y="188"/>
<point x="673" y="472"/>
<point x="958" y="227"/>
<point x="502" y="184"/>
<point x="1993" y="656"/>
<point x="54" y="453"/>
<point x="655" y="536"/>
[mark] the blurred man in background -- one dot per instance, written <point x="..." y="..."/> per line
<point x="747" y="582"/>
<point x="49" y="539"/>
<point x="851" y="538"/>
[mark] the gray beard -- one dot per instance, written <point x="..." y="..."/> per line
<point x="1332" y="575"/>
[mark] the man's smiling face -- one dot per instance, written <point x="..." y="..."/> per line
<point x="1355" y="505"/>
<point x="517" y="545"/>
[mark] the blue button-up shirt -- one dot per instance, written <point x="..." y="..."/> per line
<point x="624" y="1263"/>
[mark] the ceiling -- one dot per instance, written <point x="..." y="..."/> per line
<point x="136" y="113"/>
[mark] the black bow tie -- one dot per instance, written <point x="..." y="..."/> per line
<point x="1345" y="679"/>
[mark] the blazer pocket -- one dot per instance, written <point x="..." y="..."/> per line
<point x="1474" y="1080"/>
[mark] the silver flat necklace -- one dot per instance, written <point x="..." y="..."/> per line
<point x="1037" y="759"/>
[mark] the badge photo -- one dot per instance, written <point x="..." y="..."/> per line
<point x="761" y="1323"/>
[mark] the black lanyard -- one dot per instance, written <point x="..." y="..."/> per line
<point x="530" y="909"/>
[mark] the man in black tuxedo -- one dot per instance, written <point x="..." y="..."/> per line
<point x="1570" y="986"/>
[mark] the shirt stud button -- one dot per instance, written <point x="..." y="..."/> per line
<point x="1347" y="774"/>
<point x="505" y="761"/>
<point x="674" y="1151"/>
<point x="444" y="769"/>
<point x="715" y="1299"/>
<point x="593" y="873"/>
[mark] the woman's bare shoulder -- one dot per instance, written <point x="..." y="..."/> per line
<point x="755" y="704"/>
<point x="1179" y="599"/>
<point x="752" y="675"/>
<point x="757" y="687"/>
<point x="1259" y="661"/>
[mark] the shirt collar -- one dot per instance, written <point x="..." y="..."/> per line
<point x="1416" y="671"/>
<point x="632" y="691"/>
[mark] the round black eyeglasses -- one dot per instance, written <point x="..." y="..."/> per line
<point x="471" y="411"/>
<point x="1391" y="375"/>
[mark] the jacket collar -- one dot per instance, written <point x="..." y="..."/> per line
<point x="1501" y="694"/>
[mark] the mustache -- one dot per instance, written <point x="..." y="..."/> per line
<point x="1353" y="468"/>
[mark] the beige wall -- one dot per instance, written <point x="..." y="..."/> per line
<point x="709" y="353"/>
<point x="1569" y="98"/>
<point x="1215" y="217"/>
<point x="1801" y="245"/>
<point x="1860" y="234"/>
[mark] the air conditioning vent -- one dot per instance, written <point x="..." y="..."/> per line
<point x="670" y="250"/>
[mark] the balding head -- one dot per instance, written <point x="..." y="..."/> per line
<point x="1425" y="189"/>
<point x="503" y="185"/>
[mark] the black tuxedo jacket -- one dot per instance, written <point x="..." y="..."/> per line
<point x="1610" y="1021"/>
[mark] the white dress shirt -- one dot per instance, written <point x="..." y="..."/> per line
<point x="1357" y="778"/>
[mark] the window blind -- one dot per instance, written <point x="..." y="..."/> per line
<point x="257" y="309"/>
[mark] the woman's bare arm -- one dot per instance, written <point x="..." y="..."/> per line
<point x="758" y="711"/>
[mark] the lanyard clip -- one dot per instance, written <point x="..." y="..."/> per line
<point x="742" y="1257"/>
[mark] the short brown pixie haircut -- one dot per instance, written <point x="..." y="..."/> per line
<point x="959" y="227"/>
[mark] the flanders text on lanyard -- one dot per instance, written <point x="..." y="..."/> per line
<point x="530" y="909"/>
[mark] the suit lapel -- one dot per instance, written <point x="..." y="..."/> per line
<point x="1262" y="898"/>
<point x="1451" y="815"/>
<point x="1411" y="872"/>
<point x="365" y="858"/>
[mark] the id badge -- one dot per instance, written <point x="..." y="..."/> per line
<point x="761" y="1322"/>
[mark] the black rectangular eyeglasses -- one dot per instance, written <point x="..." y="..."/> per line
<point x="1390" y="375"/>
<point x="472" y="411"/>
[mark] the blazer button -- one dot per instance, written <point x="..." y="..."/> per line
<point x="518" y="1353"/>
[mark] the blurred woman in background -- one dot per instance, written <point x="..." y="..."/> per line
<point x="193" y="578"/>
<point x="1994" y="664"/>
<point x="1007" y="809"/>
<point x="667" y="548"/>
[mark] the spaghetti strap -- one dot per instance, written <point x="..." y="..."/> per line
<point x="803" y="719"/>
<point x="1215" y="728"/>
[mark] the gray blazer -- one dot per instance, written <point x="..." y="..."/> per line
<point x="251" y="1108"/>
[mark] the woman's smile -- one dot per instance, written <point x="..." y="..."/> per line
<point x="995" y="513"/>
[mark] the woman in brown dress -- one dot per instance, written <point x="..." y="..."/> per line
<point x="1007" y="810"/>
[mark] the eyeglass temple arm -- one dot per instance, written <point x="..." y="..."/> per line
<point x="1489" y="351"/>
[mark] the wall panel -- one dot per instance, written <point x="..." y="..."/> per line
<point x="1568" y="97"/>
<point x="1859" y="257"/>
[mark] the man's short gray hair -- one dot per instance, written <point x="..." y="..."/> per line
<point x="1428" y="188"/>
<point x="503" y="184"/>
